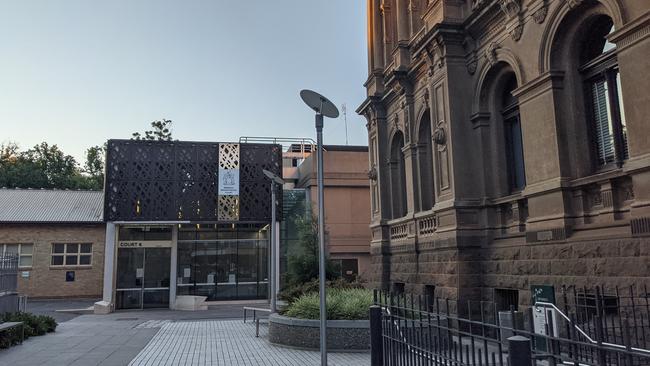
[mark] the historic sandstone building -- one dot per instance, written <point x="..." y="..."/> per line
<point x="509" y="145"/>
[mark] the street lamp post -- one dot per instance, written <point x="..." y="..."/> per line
<point x="273" y="275"/>
<point x="323" y="108"/>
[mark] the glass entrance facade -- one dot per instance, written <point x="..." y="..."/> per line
<point x="223" y="261"/>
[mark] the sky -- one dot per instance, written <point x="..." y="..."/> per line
<point x="78" y="72"/>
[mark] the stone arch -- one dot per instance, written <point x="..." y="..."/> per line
<point x="397" y="173"/>
<point x="498" y="56"/>
<point x="558" y="16"/>
<point x="424" y="149"/>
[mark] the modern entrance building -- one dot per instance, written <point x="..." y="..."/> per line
<point x="186" y="221"/>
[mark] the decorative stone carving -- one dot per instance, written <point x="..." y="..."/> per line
<point x="511" y="8"/>
<point x="574" y="3"/>
<point x="372" y="173"/>
<point x="540" y="14"/>
<point x="439" y="136"/>
<point x="491" y="53"/>
<point x="470" y="53"/>
<point x="472" y="64"/>
<point x="516" y="31"/>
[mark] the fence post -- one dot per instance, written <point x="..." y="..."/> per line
<point x="376" y="351"/>
<point x="519" y="353"/>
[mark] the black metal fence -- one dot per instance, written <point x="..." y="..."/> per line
<point x="9" y="301"/>
<point x="416" y="330"/>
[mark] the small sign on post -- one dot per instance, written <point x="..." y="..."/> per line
<point x="544" y="316"/>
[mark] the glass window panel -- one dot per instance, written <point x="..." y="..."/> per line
<point x="205" y="262"/>
<point x="131" y="233"/>
<point x="11" y="249"/>
<point x="26" y="249"/>
<point x="58" y="248"/>
<point x="86" y="248"/>
<point x="185" y="260"/>
<point x="128" y="263"/>
<point x="72" y="248"/>
<point x="227" y="262"/>
<point x="158" y="233"/>
<point x="85" y="260"/>
<point x="247" y="261"/>
<point x="156" y="273"/>
<point x="57" y="260"/>
<point x="71" y="260"/>
<point x="25" y="261"/>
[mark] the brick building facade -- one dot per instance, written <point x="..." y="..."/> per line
<point x="59" y="237"/>
<point x="508" y="145"/>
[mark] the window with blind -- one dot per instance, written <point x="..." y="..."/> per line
<point x="604" y="97"/>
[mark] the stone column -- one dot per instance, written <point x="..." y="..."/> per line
<point x="173" y="268"/>
<point x="375" y="36"/>
<point x="402" y="21"/>
<point x="107" y="304"/>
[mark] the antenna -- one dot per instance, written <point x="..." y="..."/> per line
<point x="345" y="120"/>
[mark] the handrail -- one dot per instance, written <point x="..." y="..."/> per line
<point x="585" y="334"/>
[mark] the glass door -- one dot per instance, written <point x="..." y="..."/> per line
<point x="142" y="278"/>
<point x="155" y="291"/>
<point x="130" y="273"/>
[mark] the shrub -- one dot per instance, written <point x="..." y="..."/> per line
<point x="342" y="304"/>
<point x="291" y="293"/>
<point x="35" y="325"/>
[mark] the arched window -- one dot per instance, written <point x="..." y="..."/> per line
<point x="397" y="177"/>
<point x="512" y="136"/>
<point x="425" y="166"/>
<point x="602" y="85"/>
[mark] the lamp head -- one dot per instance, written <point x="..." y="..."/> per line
<point x="272" y="176"/>
<point x="319" y="103"/>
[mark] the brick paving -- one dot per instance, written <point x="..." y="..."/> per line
<point x="228" y="342"/>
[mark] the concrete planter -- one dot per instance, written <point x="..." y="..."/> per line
<point x="342" y="335"/>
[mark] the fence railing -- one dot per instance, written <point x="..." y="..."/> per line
<point x="8" y="274"/>
<point x="416" y="330"/>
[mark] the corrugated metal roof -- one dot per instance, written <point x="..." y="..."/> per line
<point x="56" y="206"/>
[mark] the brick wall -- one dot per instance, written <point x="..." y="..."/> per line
<point x="44" y="281"/>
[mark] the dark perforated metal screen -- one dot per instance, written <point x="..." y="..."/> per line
<point x="177" y="181"/>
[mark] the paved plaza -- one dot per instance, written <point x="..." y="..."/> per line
<point x="161" y="337"/>
<point x="229" y="342"/>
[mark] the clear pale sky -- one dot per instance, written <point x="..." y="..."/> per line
<point x="77" y="72"/>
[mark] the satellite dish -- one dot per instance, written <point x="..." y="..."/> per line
<point x="273" y="177"/>
<point x="319" y="103"/>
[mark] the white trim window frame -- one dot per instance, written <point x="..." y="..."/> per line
<point x="71" y="255"/>
<point x="25" y="258"/>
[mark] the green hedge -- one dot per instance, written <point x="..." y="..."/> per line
<point x="291" y="293"/>
<point x="35" y="325"/>
<point x="342" y="304"/>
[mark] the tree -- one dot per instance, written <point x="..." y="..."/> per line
<point x="302" y="262"/>
<point x="46" y="166"/>
<point x="94" y="166"/>
<point x="59" y="169"/>
<point x="161" y="131"/>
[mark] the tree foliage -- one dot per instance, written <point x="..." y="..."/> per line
<point x="42" y="166"/>
<point x="160" y="131"/>
<point x="302" y="262"/>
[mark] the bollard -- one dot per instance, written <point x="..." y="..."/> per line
<point x="376" y="351"/>
<point x="519" y="351"/>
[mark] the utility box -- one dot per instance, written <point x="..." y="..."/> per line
<point x="510" y="319"/>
